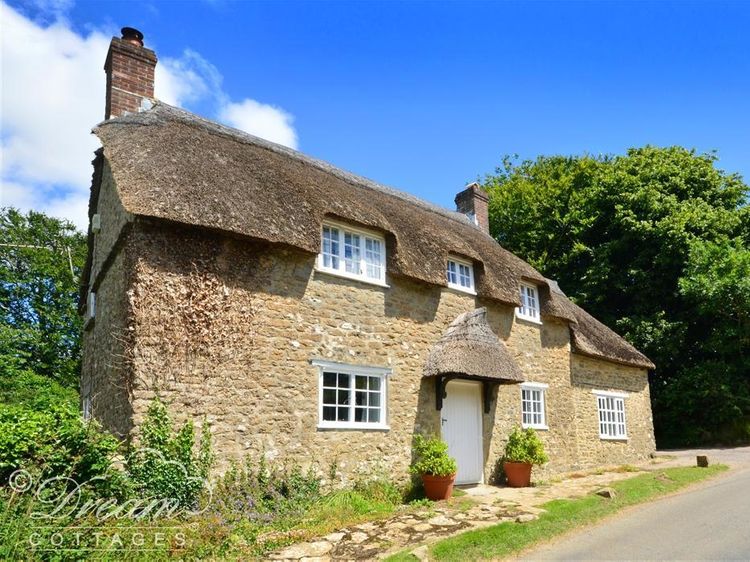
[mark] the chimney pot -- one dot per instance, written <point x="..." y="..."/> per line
<point x="473" y="202"/>
<point x="132" y="35"/>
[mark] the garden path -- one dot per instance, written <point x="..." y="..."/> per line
<point x="482" y="506"/>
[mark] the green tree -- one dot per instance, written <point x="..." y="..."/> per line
<point x="41" y="259"/>
<point x="634" y="239"/>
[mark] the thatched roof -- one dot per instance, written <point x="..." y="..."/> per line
<point x="172" y="165"/>
<point x="471" y="349"/>
<point x="590" y="337"/>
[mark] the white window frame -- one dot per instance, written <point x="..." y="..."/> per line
<point x="86" y="407"/>
<point x="353" y="370"/>
<point x="90" y="310"/>
<point x="535" y="387"/>
<point x="530" y="308"/>
<point x="463" y="269"/>
<point x="611" y="416"/>
<point x="362" y="264"/>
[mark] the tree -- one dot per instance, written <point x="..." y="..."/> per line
<point x="41" y="259"/>
<point x="635" y="239"/>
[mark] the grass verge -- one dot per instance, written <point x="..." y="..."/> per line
<point x="563" y="516"/>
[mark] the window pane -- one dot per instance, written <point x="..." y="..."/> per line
<point x="329" y="396"/>
<point x="329" y="379"/>
<point x="351" y="252"/>
<point x="361" y="399"/>
<point x="374" y="416"/>
<point x="360" y="414"/>
<point x="343" y="380"/>
<point x="374" y="383"/>
<point x="361" y="382"/>
<point x="343" y="397"/>
<point x="343" y="414"/>
<point x="373" y="258"/>
<point x="374" y="399"/>
<point x="329" y="413"/>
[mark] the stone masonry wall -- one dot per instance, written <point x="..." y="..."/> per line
<point x="225" y="330"/>
<point x="593" y="374"/>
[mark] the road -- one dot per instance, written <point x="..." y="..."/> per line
<point x="711" y="522"/>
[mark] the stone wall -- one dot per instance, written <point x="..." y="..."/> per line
<point x="225" y="330"/>
<point x="593" y="374"/>
<point x="105" y="369"/>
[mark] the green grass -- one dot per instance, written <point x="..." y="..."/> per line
<point x="563" y="516"/>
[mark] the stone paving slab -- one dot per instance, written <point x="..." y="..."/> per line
<point x="482" y="506"/>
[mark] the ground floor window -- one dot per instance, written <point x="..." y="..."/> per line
<point x="611" y="406"/>
<point x="351" y="396"/>
<point x="532" y="405"/>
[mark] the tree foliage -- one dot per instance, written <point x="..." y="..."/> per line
<point x="41" y="259"/>
<point x="654" y="243"/>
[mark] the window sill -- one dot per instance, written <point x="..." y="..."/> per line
<point x="608" y="438"/>
<point x="529" y="319"/>
<point x="328" y="426"/>
<point x="539" y="427"/>
<point x="351" y="277"/>
<point x="463" y="290"/>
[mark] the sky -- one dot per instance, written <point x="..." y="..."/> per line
<point x="421" y="96"/>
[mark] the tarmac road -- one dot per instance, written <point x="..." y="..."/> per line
<point x="711" y="522"/>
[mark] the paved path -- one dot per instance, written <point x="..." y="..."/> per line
<point x="711" y="522"/>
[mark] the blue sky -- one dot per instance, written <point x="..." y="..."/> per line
<point x="426" y="96"/>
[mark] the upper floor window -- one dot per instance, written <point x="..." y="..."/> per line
<point x="351" y="396"/>
<point x="460" y="275"/>
<point x="611" y="407"/>
<point x="353" y="253"/>
<point x="529" y="309"/>
<point x="532" y="405"/>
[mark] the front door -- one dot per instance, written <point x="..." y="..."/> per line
<point x="461" y="420"/>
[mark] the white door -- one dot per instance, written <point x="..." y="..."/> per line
<point x="461" y="420"/>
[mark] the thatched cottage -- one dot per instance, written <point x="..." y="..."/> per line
<point x="313" y="315"/>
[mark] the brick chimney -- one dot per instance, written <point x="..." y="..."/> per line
<point x="473" y="202"/>
<point x="130" y="73"/>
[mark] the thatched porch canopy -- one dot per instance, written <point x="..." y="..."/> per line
<point x="470" y="349"/>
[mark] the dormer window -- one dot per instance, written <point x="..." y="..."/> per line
<point x="529" y="309"/>
<point x="460" y="275"/>
<point x="353" y="253"/>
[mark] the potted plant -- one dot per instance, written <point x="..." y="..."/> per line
<point x="523" y="450"/>
<point x="436" y="466"/>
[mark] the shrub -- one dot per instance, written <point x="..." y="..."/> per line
<point x="253" y="492"/>
<point x="42" y="431"/>
<point x="164" y="464"/>
<point x="432" y="457"/>
<point x="525" y="446"/>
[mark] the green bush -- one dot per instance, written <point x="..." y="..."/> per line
<point x="164" y="464"/>
<point x="42" y="431"/>
<point x="432" y="457"/>
<point x="524" y="445"/>
<point x="258" y="492"/>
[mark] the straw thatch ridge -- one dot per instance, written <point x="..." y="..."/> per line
<point x="471" y="349"/>
<point x="171" y="165"/>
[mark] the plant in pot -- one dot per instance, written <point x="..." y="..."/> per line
<point x="436" y="466"/>
<point x="523" y="450"/>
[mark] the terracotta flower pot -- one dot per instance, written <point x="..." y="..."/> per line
<point x="517" y="473"/>
<point x="438" y="487"/>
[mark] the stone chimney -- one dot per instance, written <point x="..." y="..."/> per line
<point x="473" y="202"/>
<point x="130" y="73"/>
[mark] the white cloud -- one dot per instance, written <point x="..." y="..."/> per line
<point x="261" y="120"/>
<point x="53" y="94"/>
